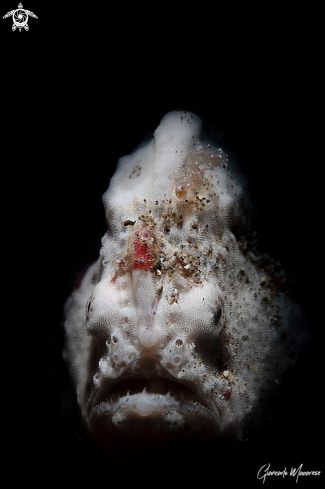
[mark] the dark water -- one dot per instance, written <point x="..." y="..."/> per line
<point x="84" y="100"/>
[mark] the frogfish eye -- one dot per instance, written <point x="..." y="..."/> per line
<point x="88" y="307"/>
<point x="217" y="316"/>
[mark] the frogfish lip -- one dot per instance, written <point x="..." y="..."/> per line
<point x="140" y="397"/>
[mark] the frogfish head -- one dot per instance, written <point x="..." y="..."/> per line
<point x="181" y="328"/>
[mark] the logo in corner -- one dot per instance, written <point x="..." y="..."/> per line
<point x="20" y="18"/>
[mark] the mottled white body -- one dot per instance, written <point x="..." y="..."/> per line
<point x="178" y="328"/>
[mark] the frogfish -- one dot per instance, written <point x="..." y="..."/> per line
<point x="182" y="328"/>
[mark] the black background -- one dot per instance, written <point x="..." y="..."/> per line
<point x="83" y="87"/>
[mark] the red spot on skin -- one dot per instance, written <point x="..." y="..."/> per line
<point x="123" y="266"/>
<point x="227" y="395"/>
<point x="142" y="254"/>
<point x="123" y="269"/>
<point x="114" y="279"/>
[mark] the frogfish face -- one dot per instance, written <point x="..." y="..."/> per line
<point x="180" y="328"/>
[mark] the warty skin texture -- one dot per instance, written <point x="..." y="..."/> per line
<point x="179" y="329"/>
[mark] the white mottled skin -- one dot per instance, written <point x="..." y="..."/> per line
<point x="157" y="320"/>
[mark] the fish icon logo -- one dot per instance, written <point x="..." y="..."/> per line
<point x="20" y="18"/>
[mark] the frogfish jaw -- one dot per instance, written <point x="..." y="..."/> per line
<point x="151" y="409"/>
